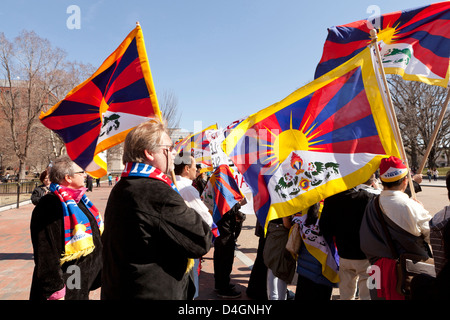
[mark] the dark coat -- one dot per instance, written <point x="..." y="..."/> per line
<point x="341" y="218"/>
<point x="47" y="237"/>
<point x="149" y="235"/>
<point x="374" y="241"/>
<point x="38" y="193"/>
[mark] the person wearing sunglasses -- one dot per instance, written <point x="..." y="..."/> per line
<point x="151" y="236"/>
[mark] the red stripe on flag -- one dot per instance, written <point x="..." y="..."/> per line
<point x="63" y="122"/>
<point x="79" y="145"/>
<point x="141" y="107"/>
<point x="438" y="28"/>
<point x="370" y="145"/>
<point x="342" y="49"/>
<point x="438" y="64"/>
<point x="321" y="98"/>
<point x="355" y="110"/>
<point x="88" y="94"/>
<point x="389" y="20"/>
<point x="431" y="10"/>
<point x="131" y="74"/>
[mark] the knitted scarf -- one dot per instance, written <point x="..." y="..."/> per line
<point x="78" y="240"/>
<point x="137" y="169"/>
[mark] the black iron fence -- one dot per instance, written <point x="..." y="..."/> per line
<point x="15" y="192"/>
<point x="23" y="186"/>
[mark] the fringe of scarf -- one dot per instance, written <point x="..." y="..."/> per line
<point x="78" y="240"/>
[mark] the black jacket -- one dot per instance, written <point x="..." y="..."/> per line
<point x="38" y="193"/>
<point x="341" y="218"/>
<point x="149" y="235"/>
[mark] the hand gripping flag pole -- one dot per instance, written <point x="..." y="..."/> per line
<point x="391" y="111"/>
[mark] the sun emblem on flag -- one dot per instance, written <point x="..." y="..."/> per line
<point x="287" y="141"/>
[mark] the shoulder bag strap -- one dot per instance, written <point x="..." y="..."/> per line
<point x="383" y="224"/>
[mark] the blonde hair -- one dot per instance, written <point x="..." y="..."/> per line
<point x="146" y="136"/>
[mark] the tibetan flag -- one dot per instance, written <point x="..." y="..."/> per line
<point x="198" y="145"/>
<point x="414" y="44"/>
<point x="221" y="192"/>
<point x="319" y="247"/>
<point x="98" y="114"/>
<point x="324" y="138"/>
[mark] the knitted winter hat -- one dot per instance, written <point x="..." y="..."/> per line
<point x="392" y="169"/>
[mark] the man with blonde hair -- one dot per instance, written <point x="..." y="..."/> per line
<point x="151" y="236"/>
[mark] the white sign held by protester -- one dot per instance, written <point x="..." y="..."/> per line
<point x="218" y="157"/>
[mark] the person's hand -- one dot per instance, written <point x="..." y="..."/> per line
<point x="243" y="201"/>
<point x="418" y="178"/>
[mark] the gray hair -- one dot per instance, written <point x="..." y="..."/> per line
<point x="60" y="167"/>
<point x="146" y="136"/>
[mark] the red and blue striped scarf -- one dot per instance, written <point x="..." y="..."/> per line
<point x="78" y="240"/>
<point x="138" y="169"/>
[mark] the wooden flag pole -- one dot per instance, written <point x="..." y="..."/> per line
<point x="436" y="129"/>
<point x="174" y="180"/>
<point x="373" y="36"/>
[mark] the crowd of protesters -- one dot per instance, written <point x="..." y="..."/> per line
<point x="157" y="229"/>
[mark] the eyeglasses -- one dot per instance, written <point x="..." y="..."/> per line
<point x="169" y="147"/>
<point x="80" y="172"/>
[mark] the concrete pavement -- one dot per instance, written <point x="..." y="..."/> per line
<point x="16" y="254"/>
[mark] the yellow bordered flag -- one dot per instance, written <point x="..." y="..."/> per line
<point x="324" y="138"/>
<point x="98" y="114"/>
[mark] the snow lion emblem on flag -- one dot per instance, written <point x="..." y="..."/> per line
<point x="316" y="173"/>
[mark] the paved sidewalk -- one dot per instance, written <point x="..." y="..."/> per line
<point x="16" y="254"/>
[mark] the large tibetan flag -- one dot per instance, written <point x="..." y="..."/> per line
<point x="99" y="113"/>
<point x="324" y="138"/>
<point x="221" y="192"/>
<point x="198" y="144"/>
<point x="414" y="43"/>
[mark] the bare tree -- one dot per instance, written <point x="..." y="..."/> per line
<point x="33" y="77"/>
<point x="418" y="107"/>
<point x="168" y="103"/>
<point x="32" y="72"/>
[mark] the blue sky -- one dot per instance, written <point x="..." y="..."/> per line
<point x="223" y="60"/>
